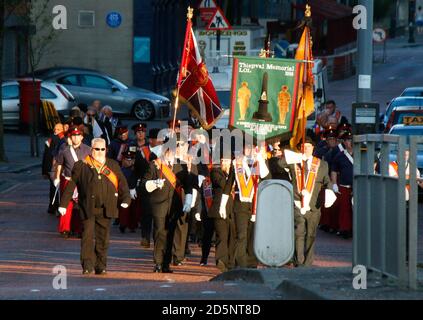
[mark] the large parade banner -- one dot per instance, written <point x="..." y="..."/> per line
<point x="264" y="95"/>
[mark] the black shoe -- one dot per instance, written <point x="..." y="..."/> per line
<point x="100" y="271"/>
<point x="157" y="268"/>
<point x="145" y="243"/>
<point x="166" y="269"/>
<point x="324" y="228"/>
<point x="87" y="271"/>
<point x="187" y="252"/>
<point x="177" y="263"/>
<point x="65" y="234"/>
<point x="122" y="229"/>
<point x="203" y="262"/>
<point x="116" y="222"/>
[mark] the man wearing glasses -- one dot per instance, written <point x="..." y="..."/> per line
<point x="102" y="187"/>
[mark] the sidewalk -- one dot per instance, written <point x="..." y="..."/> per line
<point x="322" y="284"/>
<point x="18" y="151"/>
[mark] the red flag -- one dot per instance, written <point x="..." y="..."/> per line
<point x="196" y="87"/>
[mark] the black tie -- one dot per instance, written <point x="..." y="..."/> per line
<point x="306" y="168"/>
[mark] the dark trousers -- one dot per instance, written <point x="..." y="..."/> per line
<point x="95" y="255"/>
<point x="305" y="235"/>
<point x="160" y="225"/>
<point x="242" y="220"/>
<point x="53" y="207"/>
<point x="251" y="257"/>
<point x="146" y="224"/>
<point x="225" y="242"/>
<point x="180" y="236"/>
<point x="206" y="239"/>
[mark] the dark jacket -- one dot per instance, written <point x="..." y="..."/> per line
<point x="160" y="201"/>
<point x="218" y="179"/>
<point x="83" y="177"/>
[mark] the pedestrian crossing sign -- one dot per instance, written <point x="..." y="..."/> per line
<point x="218" y="21"/>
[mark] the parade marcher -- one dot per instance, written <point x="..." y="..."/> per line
<point x="246" y="170"/>
<point x="120" y="144"/>
<point x="66" y="158"/>
<point x="342" y="180"/>
<point x="182" y="223"/>
<point x="128" y="216"/>
<point x="278" y="153"/>
<point x="327" y="150"/>
<point x="102" y="188"/>
<point x="224" y="225"/>
<point x="165" y="180"/>
<point x="48" y="164"/>
<point x="145" y="154"/>
<point x="307" y="201"/>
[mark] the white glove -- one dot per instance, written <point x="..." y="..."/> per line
<point x="197" y="217"/>
<point x="62" y="211"/>
<point x="335" y="188"/>
<point x="194" y="197"/>
<point x="124" y="205"/>
<point x="200" y="180"/>
<point x="253" y="218"/>
<point x="133" y="193"/>
<point x="152" y="185"/>
<point x="330" y="198"/>
<point x="187" y="203"/>
<point x="159" y="183"/>
<point x="222" y="208"/>
<point x="56" y="182"/>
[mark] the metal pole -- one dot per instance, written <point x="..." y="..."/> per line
<point x="411" y="24"/>
<point x="365" y="55"/>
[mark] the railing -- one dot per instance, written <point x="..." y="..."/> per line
<point x="383" y="240"/>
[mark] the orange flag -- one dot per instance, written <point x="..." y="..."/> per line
<point x="305" y="99"/>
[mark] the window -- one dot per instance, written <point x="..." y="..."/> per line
<point x="95" y="82"/>
<point x="10" y="92"/>
<point x="47" y="94"/>
<point x="86" y="19"/>
<point x="69" y="80"/>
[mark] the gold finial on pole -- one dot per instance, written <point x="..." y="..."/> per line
<point x="190" y="13"/>
<point x="308" y="11"/>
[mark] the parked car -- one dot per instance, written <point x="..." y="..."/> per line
<point x="401" y="102"/>
<point x="62" y="99"/>
<point x="51" y="72"/>
<point x="402" y="115"/>
<point x="412" y="92"/>
<point x="87" y="86"/>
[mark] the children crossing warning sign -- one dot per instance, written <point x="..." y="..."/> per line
<point x="218" y="21"/>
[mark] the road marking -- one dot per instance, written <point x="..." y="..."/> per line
<point x="170" y="280"/>
<point x="208" y="292"/>
<point x="35" y="290"/>
<point x="391" y="78"/>
<point x="100" y="289"/>
<point x="230" y="284"/>
<point x="166" y="286"/>
<point x="19" y="184"/>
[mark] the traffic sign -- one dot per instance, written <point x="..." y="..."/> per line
<point x="379" y="35"/>
<point x="218" y="21"/>
<point x="207" y="9"/>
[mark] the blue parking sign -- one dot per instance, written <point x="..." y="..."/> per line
<point x="114" y="19"/>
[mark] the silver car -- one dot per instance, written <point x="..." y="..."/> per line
<point x="87" y="86"/>
<point x="62" y="99"/>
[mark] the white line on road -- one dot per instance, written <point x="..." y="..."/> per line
<point x="100" y="289"/>
<point x="166" y="286"/>
<point x="230" y="284"/>
<point x="208" y="292"/>
<point x="35" y="290"/>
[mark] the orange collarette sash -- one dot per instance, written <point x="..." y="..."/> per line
<point x="246" y="188"/>
<point x="394" y="165"/>
<point x="169" y="175"/>
<point x="311" y="177"/>
<point x="103" y="169"/>
<point x="146" y="152"/>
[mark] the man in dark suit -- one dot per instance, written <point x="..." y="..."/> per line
<point x="224" y="226"/>
<point x="165" y="181"/>
<point x="247" y="169"/>
<point x="307" y="200"/>
<point x="101" y="187"/>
